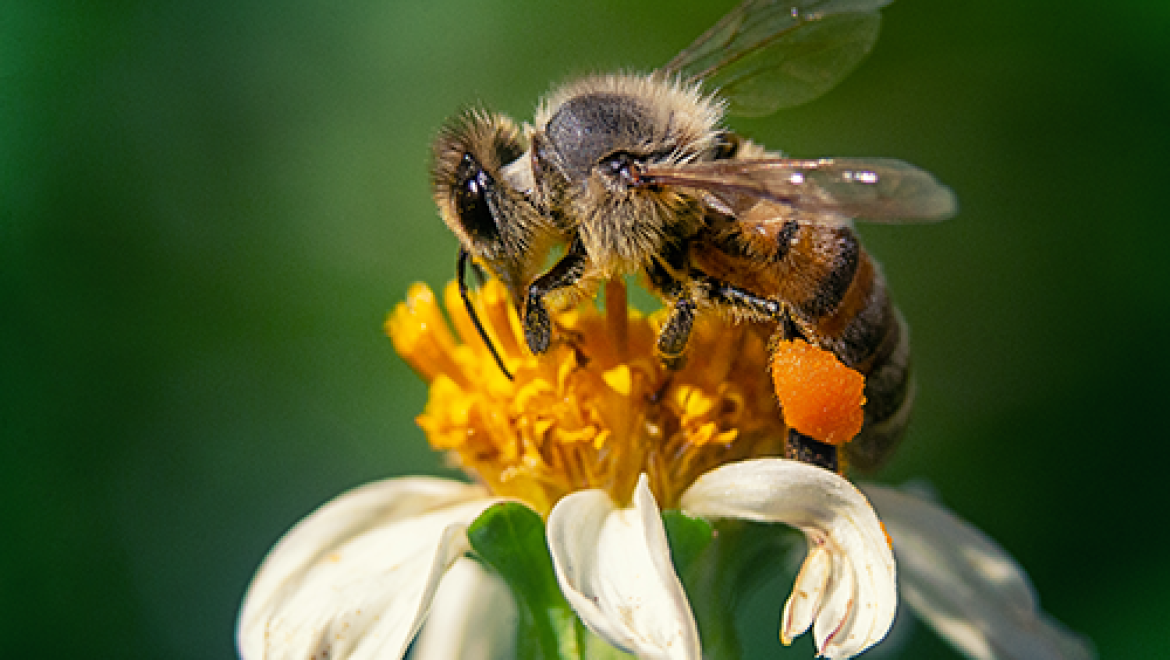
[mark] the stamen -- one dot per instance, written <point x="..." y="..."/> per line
<point x="598" y="409"/>
<point x="421" y="335"/>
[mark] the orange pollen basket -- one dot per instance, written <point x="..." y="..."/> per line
<point x="821" y="397"/>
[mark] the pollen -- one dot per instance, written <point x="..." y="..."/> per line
<point x="595" y="411"/>
<point x="821" y="397"/>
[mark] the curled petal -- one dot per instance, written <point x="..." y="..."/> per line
<point x="847" y="587"/>
<point x="801" y="609"/>
<point x="615" y="571"/>
<point x="967" y="587"/>
<point x="473" y="617"/>
<point x="355" y="579"/>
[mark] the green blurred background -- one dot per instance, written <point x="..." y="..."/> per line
<point x="208" y="208"/>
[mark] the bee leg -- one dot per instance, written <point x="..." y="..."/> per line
<point x="728" y="295"/>
<point x="676" y="331"/>
<point x="672" y="339"/>
<point x="801" y="447"/>
<point x="797" y="446"/>
<point x="565" y="273"/>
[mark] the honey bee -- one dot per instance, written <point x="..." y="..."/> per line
<point x="636" y="174"/>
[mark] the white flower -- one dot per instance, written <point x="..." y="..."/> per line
<point x="598" y="436"/>
<point x="846" y="589"/>
<point x="357" y="578"/>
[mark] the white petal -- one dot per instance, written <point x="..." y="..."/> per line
<point x="614" y="568"/>
<point x="355" y="578"/>
<point x="965" y="586"/>
<point x="473" y="617"/>
<point x="837" y="615"/>
<point x="854" y="602"/>
<point x="805" y="602"/>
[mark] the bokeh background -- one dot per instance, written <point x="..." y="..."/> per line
<point x="207" y="208"/>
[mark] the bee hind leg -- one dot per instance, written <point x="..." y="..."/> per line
<point x="797" y="445"/>
<point x="800" y="447"/>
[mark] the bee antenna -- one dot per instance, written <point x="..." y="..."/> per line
<point x="461" y="277"/>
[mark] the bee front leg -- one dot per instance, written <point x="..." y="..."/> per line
<point x="565" y="273"/>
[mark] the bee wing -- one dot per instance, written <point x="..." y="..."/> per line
<point x="875" y="189"/>
<point x="770" y="54"/>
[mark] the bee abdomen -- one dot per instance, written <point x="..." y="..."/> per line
<point x="889" y="393"/>
<point x="849" y="311"/>
<point x="842" y="252"/>
<point x="852" y="314"/>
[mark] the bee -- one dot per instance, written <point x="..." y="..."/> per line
<point x="637" y="174"/>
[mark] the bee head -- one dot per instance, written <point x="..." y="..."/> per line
<point x="493" y="220"/>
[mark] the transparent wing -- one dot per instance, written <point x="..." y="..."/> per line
<point x="875" y="189"/>
<point x="770" y="54"/>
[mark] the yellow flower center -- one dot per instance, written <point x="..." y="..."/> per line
<point x="598" y="409"/>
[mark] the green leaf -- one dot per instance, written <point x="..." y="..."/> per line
<point x="720" y="566"/>
<point x="688" y="538"/>
<point x="510" y="538"/>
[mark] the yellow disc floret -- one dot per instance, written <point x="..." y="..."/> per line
<point x="594" y="412"/>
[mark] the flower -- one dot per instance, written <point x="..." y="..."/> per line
<point x="597" y="411"/>
<point x="598" y="438"/>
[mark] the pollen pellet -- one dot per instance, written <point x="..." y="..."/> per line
<point x="820" y="397"/>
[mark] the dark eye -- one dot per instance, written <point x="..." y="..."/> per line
<point x="472" y="186"/>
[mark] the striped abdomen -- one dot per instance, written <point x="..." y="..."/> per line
<point x="821" y="285"/>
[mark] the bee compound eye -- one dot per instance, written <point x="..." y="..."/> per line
<point x="472" y="187"/>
